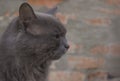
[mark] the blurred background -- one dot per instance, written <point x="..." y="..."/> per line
<point x="93" y="32"/>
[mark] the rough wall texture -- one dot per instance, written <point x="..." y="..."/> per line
<point x="93" y="32"/>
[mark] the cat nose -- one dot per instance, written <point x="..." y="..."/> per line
<point x="67" y="46"/>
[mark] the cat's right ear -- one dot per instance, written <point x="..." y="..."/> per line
<point x="26" y="13"/>
<point x="52" y="11"/>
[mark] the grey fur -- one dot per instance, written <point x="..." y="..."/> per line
<point x="29" y="44"/>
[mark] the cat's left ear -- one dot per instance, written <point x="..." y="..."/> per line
<point x="26" y="13"/>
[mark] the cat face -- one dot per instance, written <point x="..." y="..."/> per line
<point x="44" y="34"/>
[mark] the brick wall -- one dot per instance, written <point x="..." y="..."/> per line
<point x="93" y="35"/>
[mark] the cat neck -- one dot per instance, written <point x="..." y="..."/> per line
<point x="24" y="70"/>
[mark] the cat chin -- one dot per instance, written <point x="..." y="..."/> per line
<point x="56" y="58"/>
<point x="58" y="55"/>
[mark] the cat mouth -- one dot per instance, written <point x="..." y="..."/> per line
<point x="58" y="54"/>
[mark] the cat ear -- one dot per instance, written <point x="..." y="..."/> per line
<point x="26" y="13"/>
<point x="52" y="11"/>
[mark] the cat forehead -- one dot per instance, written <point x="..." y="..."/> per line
<point x="50" y="23"/>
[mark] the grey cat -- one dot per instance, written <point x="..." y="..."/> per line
<point x="29" y="44"/>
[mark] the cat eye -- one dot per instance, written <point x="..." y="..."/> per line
<point x="57" y="36"/>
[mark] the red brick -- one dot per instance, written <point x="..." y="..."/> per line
<point x="115" y="49"/>
<point x="47" y="3"/>
<point x="99" y="74"/>
<point x="66" y="76"/>
<point x="72" y="48"/>
<point x="100" y="49"/>
<point x="98" y="21"/>
<point x="77" y="62"/>
<point x="7" y="14"/>
<point x="76" y="76"/>
<point x="65" y="17"/>
<point x="75" y="47"/>
<point x="108" y="11"/>
<point x="115" y="2"/>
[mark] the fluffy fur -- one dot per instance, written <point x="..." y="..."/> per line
<point x="29" y="44"/>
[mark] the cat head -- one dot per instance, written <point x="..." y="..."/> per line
<point x="41" y="35"/>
